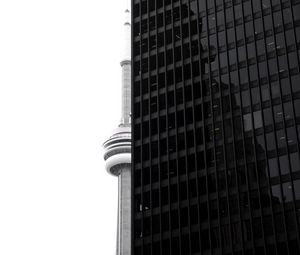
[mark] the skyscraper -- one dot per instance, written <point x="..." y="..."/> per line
<point x="216" y="127"/>
<point x="117" y="150"/>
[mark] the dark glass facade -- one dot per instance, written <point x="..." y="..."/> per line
<point x="216" y="127"/>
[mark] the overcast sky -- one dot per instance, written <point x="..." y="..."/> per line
<point x="60" y="84"/>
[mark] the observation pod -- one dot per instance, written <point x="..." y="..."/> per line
<point x="117" y="150"/>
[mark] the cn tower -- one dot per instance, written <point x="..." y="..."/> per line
<point x="117" y="149"/>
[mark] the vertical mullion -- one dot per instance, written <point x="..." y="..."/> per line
<point x="158" y="137"/>
<point x="209" y="79"/>
<point x="194" y="122"/>
<point x="222" y="125"/>
<point x="212" y="104"/>
<point x="166" y="88"/>
<point x="176" y="128"/>
<point x="184" y="111"/>
<point x="222" y="117"/>
<point x="243" y="125"/>
<point x="158" y="134"/>
<point x="202" y="113"/>
<point x="232" y="116"/>
<point x="150" y="114"/>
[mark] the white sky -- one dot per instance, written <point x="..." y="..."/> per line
<point x="60" y="84"/>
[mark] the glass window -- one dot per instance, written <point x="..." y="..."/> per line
<point x="272" y="66"/>
<point x="270" y="141"/>
<point x="239" y="34"/>
<point x="295" y="83"/>
<point x="253" y="77"/>
<point x="287" y="192"/>
<point x="260" y="47"/>
<point x="290" y="39"/>
<point x="247" y="122"/>
<point x="241" y="54"/>
<point x="263" y="71"/>
<point x="203" y="211"/>
<point x="244" y="77"/>
<point x="288" y="111"/>
<point x="251" y="49"/>
<point x="257" y="119"/>
<point x="257" y="230"/>
<point x="290" y="221"/>
<point x="281" y="139"/>
<point x="249" y="29"/>
<point x="293" y="61"/>
<point x="212" y="183"/>
<point x="229" y="15"/>
<point x="282" y="62"/>
<point x="260" y="146"/>
<point x="284" y="164"/>
<point x="295" y="161"/>
<point x="285" y="86"/>
<point x="268" y="225"/>
<point x="265" y="93"/>
<point x="287" y="15"/>
<point x="245" y="98"/>
<point x="273" y="167"/>
<point x="237" y="125"/>
<point x="279" y="222"/>
<point x="280" y="43"/>
<point x="291" y="135"/>
<point x="275" y="89"/>
<point x="278" y="114"/>
<point x="226" y="104"/>
<point x="223" y="59"/>
<point x="227" y="128"/>
<point x="297" y="106"/>
<point x="235" y="100"/>
<point x="258" y="26"/>
<point x="268" y="22"/>
<point x="297" y="189"/>
<point x="268" y="117"/>
<point x="276" y="194"/>
<point x="234" y="80"/>
<point x="255" y="95"/>
<point x="265" y="197"/>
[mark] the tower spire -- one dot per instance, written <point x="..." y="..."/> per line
<point x="127" y="6"/>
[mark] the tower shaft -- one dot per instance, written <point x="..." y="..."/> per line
<point x="124" y="212"/>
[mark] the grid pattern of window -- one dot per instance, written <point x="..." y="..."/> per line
<point x="216" y="127"/>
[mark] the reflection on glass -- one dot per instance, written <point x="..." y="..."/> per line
<point x="287" y="192"/>
<point x="276" y="194"/>
<point x="297" y="189"/>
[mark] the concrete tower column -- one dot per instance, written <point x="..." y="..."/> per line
<point x="117" y="150"/>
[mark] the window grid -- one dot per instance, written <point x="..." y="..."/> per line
<point x="148" y="105"/>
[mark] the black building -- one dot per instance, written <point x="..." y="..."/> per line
<point x="216" y="127"/>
